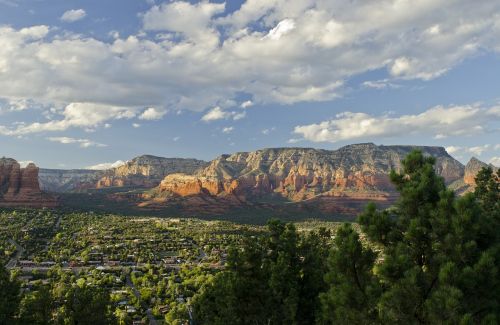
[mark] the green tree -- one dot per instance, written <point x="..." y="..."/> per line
<point x="36" y="307"/>
<point x="9" y="296"/>
<point x="440" y="254"/>
<point x="274" y="279"/>
<point x="353" y="289"/>
<point x="85" y="305"/>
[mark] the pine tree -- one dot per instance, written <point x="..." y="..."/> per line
<point x="9" y="296"/>
<point x="440" y="254"/>
<point x="353" y="289"/>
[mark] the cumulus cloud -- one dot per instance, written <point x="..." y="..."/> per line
<point x="104" y="166"/>
<point x="152" y="113"/>
<point x="80" y="115"/>
<point x="218" y="113"/>
<point x="275" y="51"/>
<point x="474" y="150"/>
<point x="84" y="143"/>
<point x="438" y="121"/>
<point x="246" y="104"/>
<point x="283" y="28"/>
<point x="73" y="15"/>
<point x="25" y="163"/>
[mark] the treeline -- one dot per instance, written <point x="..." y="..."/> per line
<point x="437" y="263"/>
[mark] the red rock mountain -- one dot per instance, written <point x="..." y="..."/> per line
<point x="354" y="173"/>
<point x="19" y="187"/>
<point x="468" y="183"/>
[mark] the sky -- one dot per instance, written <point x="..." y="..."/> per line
<point x="88" y="83"/>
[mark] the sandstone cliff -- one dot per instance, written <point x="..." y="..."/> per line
<point x="60" y="180"/>
<point x="352" y="173"/>
<point x="471" y="169"/>
<point x="141" y="172"/>
<point x="468" y="183"/>
<point x="20" y="186"/>
<point x="147" y="171"/>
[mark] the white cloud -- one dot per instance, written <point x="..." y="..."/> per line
<point x="204" y="57"/>
<point x="380" y="84"/>
<point x="25" y="163"/>
<point x="214" y="114"/>
<point x="175" y="139"/>
<point x="217" y="113"/>
<point x="73" y="15"/>
<point x="283" y="28"/>
<point x="478" y="150"/>
<point x="152" y="113"/>
<point x="246" y="104"/>
<point x="453" y="149"/>
<point x="267" y="131"/>
<point x="475" y="150"/>
<point x="228" y="129"/>
<point x="80" y="115"/>
<point x="191" y="20"/>
<point x="104" y="166"/>
<point x="495" y="161"/>
<point x="84" y="143"/>
<point x="438" y="121"/>
<point x="136" y="125"/>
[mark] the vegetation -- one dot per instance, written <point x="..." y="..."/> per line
<point x="437" y="263"/>
<point x="430" y="259"/>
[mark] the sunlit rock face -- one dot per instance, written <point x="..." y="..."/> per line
<point x="354" y="172"/>
<point x="20" y="186"/>
<point x="471" y="169"/>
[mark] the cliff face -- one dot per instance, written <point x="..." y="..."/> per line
<point x="20" y="187"/>
<point x="141" y="172"/>
<point x="471" y="169"/>
<point x="357" y="171"/>
<point x="147" y="171"/>
<point x="468" y="182"/>
<point x="58" y="180"/>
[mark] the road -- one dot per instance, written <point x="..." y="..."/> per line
<point x="19" y="252"/>
<point x="149" y="312"/>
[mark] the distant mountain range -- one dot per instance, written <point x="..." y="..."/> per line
<point x="281" y="180"/>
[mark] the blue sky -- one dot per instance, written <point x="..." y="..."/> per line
<point x="91" y="82"/>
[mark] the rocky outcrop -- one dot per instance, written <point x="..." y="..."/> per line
<point x="352" y="173"/>
<point x="471" y="169"/>
<point x="19" y="187"/>
<point x="468" y="182"/>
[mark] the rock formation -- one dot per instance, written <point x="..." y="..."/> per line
<point x="141" y="172"/>
<point x="468" y="182"/>
<point x="471" y="169"/>
<point x="20" y="186"/>
<point x="59" y="180"/>
<point x="147" y="171"/>
<point x="350" y="174"/>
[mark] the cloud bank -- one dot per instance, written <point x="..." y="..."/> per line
<point x="439" y="121"/>
<point x="197" y="56"/>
